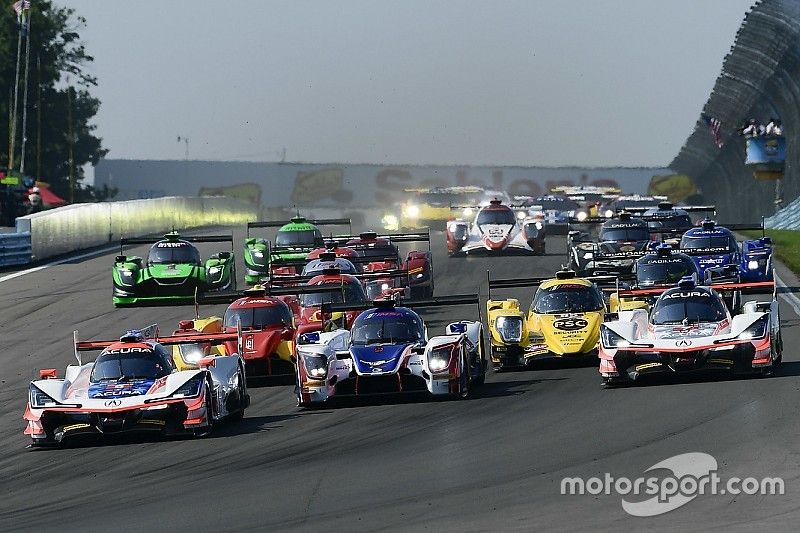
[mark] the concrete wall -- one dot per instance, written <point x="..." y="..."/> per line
<point x="80" y="226"/>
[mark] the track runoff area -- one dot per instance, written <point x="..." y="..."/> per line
<point x="541" y="448"/>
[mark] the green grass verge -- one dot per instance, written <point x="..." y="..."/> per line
<point x="787" y="246"/>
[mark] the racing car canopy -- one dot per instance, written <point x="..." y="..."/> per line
<point x="688" y="304"/>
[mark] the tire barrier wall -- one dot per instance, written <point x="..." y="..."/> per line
<point x="15" y="249"/>
<point x="81" y="226"/>
<point x="759" y="79"/>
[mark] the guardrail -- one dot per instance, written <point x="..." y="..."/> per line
<point x="15" y="249"/>
<point x="81" y="226"/>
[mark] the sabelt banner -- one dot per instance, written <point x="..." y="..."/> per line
<point x="346" y="185"/>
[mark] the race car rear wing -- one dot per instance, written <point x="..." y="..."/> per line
<point x="510" y="283"/>
<point x="437" y="301"/>
<point x="263" y="290"/>
<point x="188" y="238"/>
<point x="316" y="222"/>
<point x="755" y="287"/>
<point x="381" y="274"/>
<point x="151" y="333"/>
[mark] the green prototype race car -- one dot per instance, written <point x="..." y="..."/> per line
<point x="295" y="239"/>
<point x="172" y="272"/>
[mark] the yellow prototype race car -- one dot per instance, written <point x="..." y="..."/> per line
<point x="430" y="207"/>
<point x="562" y="322"/>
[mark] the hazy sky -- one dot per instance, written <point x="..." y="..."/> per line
<point x="536" y="82"/>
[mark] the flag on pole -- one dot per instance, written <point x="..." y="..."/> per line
<point x="714" y="126"/>
<point x="21" y="5"/>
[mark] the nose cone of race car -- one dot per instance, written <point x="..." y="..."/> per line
<point x="495" y="236"/>
<point x="570" y="334"/>
<point x="378" y="358"/>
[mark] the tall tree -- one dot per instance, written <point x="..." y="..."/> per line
<point x="59" y="98"/>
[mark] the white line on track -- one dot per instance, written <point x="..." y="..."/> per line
<point x="790" y="298"/>
<point x="15" y="275"/>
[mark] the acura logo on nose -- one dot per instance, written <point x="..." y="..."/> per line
<point x="113" y="403"/>
<point x="683" y="343"/>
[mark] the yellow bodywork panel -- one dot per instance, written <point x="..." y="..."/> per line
<point x="559" y="334"/>
<point x="627" y="303"/>
<point x="180" y="353"/>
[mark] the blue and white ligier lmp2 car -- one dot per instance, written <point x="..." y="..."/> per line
<point x="387" y="350"/>
<point x="713" y="246"/>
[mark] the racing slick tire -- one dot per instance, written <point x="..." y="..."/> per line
<point x="464" y="381"/>
<point x="481" y="379"/>
<point x="203" y="431"/>
<point x="242" y="395"/>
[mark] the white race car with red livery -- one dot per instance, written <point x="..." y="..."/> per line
<point x="134" y="386"/>
<point x="496" y="229"/>
<point x="691" y="329"/>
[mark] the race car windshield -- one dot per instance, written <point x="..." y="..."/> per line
<point x="133" y="365"/>
<point x="380" y="250"/>
<point x="318" y="265"/>
<point x="399" y="329"/>
<point x="173" y="253"/>
<point x="374" y="289"/>
<point x="259" y="317"/>
<point x="690" y="309"/>
<point x="679" y="222"/>
<point x="664" y="271"/>
<point x="712" y="241"/>
<point x="624" y="234"/>
<point x="304" y="238"/>
<point x="496" y="216"/>
<point x="350" y="293"/>
<point x="567" y="299"/>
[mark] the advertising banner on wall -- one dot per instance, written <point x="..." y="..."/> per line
<point x="344" y="185"/>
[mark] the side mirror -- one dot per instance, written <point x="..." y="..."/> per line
<point x="288" y="334"/>
<point x="224" y="255"/>
<point x="47" y="373"/>
<point x="120" y="259"/>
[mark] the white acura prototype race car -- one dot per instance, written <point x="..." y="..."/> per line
<point x="690" y="329"/>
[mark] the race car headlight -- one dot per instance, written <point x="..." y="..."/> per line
<point x="756" y="330"/>
<point x="439" y="358"/>
<point x="521" y="214"/>
<point x="610" y="339"/>
<point x="391" y="222"/>
<point x="509" y="328"/>
<point x="581" y="216"/>
<point x="316" y="365"/>
<point x="609" y="213"/>
<point x="126" y="276"/>
<point x="588" y="255"/>
<point x="412" y="211"/>
<point x="191" y="354"/>
<point x="384" y="286"/>
<point x="190" y="389"/>
<point x="39" y="399"/>
<point x="539" y="225"/>
<point x="213" y="271"/>
<point x="258" y="254"/>
<point x="467" y="212"/>
<point x="752" y="264"/>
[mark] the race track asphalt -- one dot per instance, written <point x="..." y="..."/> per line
<point x="493" y="462"/>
